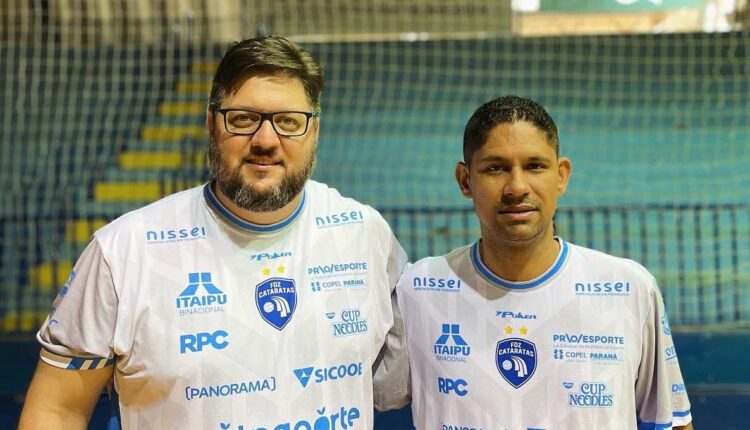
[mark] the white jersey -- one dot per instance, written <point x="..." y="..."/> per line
<point x="215" y="323"/>
<point x="586" y="345"/>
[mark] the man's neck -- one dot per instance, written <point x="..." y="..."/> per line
<point x="259" y="218"/>
<point x="519" y="262"/>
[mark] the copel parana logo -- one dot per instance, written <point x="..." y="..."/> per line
<point x="341" y="218"/>
<point x="176" y="235"/>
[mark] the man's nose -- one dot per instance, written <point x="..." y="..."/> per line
<point x="517" y="184"/>
<point x="265" y="135"/>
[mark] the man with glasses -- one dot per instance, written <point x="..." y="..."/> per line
<point x="262" y="299"/>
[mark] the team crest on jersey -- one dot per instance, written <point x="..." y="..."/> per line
<point x="516" y="360"/>
<point x="276" y="299"/>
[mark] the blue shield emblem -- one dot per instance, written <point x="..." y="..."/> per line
<point x="276" y="299"/>
<point x="516" y="360"/>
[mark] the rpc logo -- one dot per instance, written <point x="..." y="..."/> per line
<point x="448" y="385"/>
<point x="196" y="342"/>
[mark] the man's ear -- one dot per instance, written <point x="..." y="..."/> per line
<point x="564" y="169"/>
<point x="210" y="121"/>
<point x="462" y="178"/>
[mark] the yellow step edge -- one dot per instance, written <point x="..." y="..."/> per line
<point x="49" y="276"/>
<point x="182" y="108"/>
<point x="81" y="230"/>
<point x="129" y="191"/>
<point x="31" y="321"/>
<point x="150" y="160"/>
<point x="193" y="87"/>
<point x="171" y="132"/>
<point x="205" y="67"/>
<point x="28" y="322"/>
<point x="10" y="322"/>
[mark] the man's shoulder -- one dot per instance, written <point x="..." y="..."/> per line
<point x="168" y="209"/>
<point x="595" y="258"/>
<point x="327" y="200"/>
<point x="447" y="261"/>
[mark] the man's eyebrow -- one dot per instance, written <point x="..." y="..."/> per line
<point x="490" y="157"/>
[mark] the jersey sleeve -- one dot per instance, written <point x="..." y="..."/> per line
<point x="79" y="330"/>
<point x="661" y="399"/>
<point x="391" y="384"/>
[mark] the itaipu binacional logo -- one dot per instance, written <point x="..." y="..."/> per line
<point x="276" y="299"/>
<point x="516" y="360"/>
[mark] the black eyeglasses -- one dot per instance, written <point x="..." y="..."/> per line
<point x="246" y="122"/>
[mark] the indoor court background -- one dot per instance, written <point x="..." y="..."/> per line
<point x="102" y="106"/>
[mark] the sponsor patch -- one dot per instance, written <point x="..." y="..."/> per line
<point x="516" y="360"/>
<point x="276" y="299"/>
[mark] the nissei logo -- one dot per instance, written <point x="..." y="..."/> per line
<point x="176" y="235"/>
<point x="196" y="342"/>
<point x="269" y="256"/>
<point x="211" y="300"/>
<point x="436" y="284"/>
<point x="616" y="288"/>
<point x="448" y="386"/>
<point x="324" y="374"/>
<point x="450" y="346"/>
<point x="344" y="417"/>
<point x="342" y="218"/>
<point x="591" y="395"/>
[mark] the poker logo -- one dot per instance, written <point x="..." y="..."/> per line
<point x="276" y="299"/>
<point x="516" y="360"/>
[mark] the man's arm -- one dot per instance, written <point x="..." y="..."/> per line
<point x="61" y="398"/>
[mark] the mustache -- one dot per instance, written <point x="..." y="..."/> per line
<point x="261" y="151"/>
<point x="511" y="201"/>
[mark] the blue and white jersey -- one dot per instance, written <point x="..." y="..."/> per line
<point x="586" y="345"/>
<point x="215" y="323"/>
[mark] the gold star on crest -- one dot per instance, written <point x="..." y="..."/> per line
<point x="523" y="330"/>
<point x="508" y="329"/>
<point x="281" y="269"/>
<point x="266" y="271"/>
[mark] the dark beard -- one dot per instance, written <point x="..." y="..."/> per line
<point x="245" y="196"/>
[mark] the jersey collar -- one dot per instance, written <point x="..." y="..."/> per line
<point x="214" y="203"/>
<point x="494" y="279"/>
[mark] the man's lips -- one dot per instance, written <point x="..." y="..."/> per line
<point x="517" y="212"/>
<point x="261" y="164"/>
<point x="516" y="209"/>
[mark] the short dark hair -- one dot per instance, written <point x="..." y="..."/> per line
<point x="266" y="56"/>
<point x="507" y="109"/>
